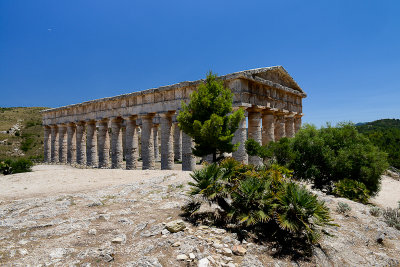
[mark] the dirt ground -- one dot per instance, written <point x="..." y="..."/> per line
<point x="47" y="180"/>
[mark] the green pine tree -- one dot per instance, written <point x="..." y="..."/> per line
<point x="209" y="120"/>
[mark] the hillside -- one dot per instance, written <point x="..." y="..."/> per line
<point x="386" y="135"/>
<point x="21" y="133"/>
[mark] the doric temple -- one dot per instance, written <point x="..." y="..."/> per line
<point x="103" y="132"/>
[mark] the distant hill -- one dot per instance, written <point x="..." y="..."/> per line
<point x="21" y="133"/>
<point x="386" y="135"/>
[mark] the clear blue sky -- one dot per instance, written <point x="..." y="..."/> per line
<point x="344" y="54"/>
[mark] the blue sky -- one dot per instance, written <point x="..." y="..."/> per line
<point x="344" y="54"/>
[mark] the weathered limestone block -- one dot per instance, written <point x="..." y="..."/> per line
<point x="177" y="143"/>
<point x="54" y="143"/>
<point x="47" y="144"/>
<point x="155" y="142"/>
<point x="62" y="143"/>
<point x="167" y="151"/>
<point x="268" y="127"/>
<point x="71" y="143"/>
<point x="175" y="226"/>
<point x="254" y="121"/>
<point x="241" y="137"/>
<point x="131" y="143"/>
<point x="280" y="126"/>
<point x="116" y="143"/>
<point x="91" y="144"/>
<point x="188" y="159"/>
<point x="147" y="141"/>
<point x="289" y="126"/>
<point x="297" y="123"/>
<point x="103" y="143"/>
<point x="80" y="143"/>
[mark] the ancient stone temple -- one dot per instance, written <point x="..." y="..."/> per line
<point x="103" y="132"/>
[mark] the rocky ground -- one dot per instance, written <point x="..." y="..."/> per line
<point x="128" y="218"/>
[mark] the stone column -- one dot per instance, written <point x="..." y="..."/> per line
<point x="71" y="143"/>
<point x="131" y="143"/>
<point x="188" y="159"/>
<point x="147" y="141"/>
<point x="54" y="143"/>
<point x="80" y="143"/>
<point x="62" y="143"/>
<point x="47" y="144"/>
<point x="103" y="143"/>
<point x="241" y="137"/>
<point x="177" y="143"/>
<point x="123" y="131"/>
<point x="167" y="149"/>
<point x="254" y="122"/>
<point x="268" y="127"/>
<point x="297" y="123"/>
<point x="155" y="142"/>
<point x="280" y="126"/>
<point x="91" y="144"/>
<point x="116" y="143"/>
<point x="289" y="126"/>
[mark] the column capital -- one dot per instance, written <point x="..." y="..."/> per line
<point x="268" y="111"/>
<point x="166" y="114"/>
<point x="130" y="117"/>
<point x="146" y="115"/>
<point x="80" y="123"/>
<point x="90" y="121"/>
<point x="298" y="115"/>
<point x="256" y="108"/>
<point x="115" y="119"/>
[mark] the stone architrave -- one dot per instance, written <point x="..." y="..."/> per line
<point x="268" y="126"/>
<point x="254" y="122"/>
<point x="289" y="126"/>
<point x="240" y="136"/>
<point x="80" y="143"/>
<point x="71" y="143"/>
<point x="47" y="144"/>
<point x="54" y="143"/>
<point x="188" y="159"/>
<point x="62" y="143"/>
<point x="177" y="143"/>
<point x="167" y="149"/>
<point x="155" y="142"/>
<point x="91" y="144"/>
<point x="103" y="143"/>
<point x="116" y="143"/>
<point x="131" y="143"/>
<point x="147" y="141"/>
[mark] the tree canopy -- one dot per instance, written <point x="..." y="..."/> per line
<point x="209" y="118"/>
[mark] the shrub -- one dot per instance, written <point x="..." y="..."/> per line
<point x="5" y="168"/>
<point x="392" y="217"/>
<point x="20" y="165"/>
<point x="375" y="211"/>
<point x="343" y="208"/>
<point x="351" y="189"/>
<point x="328" y="155"/>
<point x="249" y="196"/>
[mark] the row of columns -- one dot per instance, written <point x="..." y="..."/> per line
<point x="264" y="126"/>
<point x="88" y="143"/>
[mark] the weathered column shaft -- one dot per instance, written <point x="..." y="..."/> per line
<point x="62" y="143"/>
<point x="155" y="142"/>
<point x="289" y="127"/>
<point x="188" y="159"/>
<point x="131" y="144"/>
<point x="147" y="142"/>
<point x="91" y="144"/>
<point x="167" y="150"/>
<point x="123" y="131"/>
<point x="103" y="144"/>
<point x="241" y="137"/>
<point x="279" y="127"/>
<point x="177" y="143"/>
<point x="297" y="124"/>
<point x="47" y="144"/>
<point x="54" y="143"/>
<point x="80" y="143"/>
<point x="116" y="143"/>
<point x="254" y="122"/>
<point x="268" y="128"/>
<point x="71" y="143"/>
